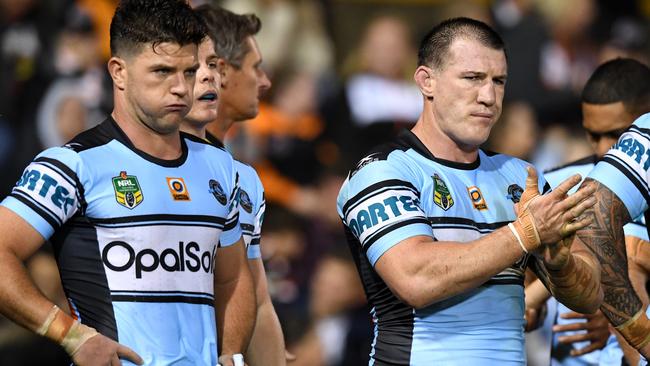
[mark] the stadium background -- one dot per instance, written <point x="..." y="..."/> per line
<point x="342" y="82"/>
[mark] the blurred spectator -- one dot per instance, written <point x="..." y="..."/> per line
<point x="293" y="34"/>
<point x="524" y="32"/>
<point x="76" y="100"/>
<point x="339" y="334"/>
<point x="379" y="96"/>
<point x="567" y="59"/>
<point x="100" y="12"/>
<point x="516" y="133"/>
<point x="284" y="142"/>
<point x="628" y="38"/>
<point x="27" y="32"/>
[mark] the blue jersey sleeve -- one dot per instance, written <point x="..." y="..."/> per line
<point x="259" y="207"/>
<point x="624" y="169"/>
<point x="232" y="231"/>
<point x="381" y="207"/>
<point x="49" y="192"/>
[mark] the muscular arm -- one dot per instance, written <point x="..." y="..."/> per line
<point x="23" y="303"/>
<point x="421" y="271"/>
<point x="267" y="343"/>
<point x="606" y="240"/>
<point x="576" y="283"/>
<point x="20" y="300"/>
<point x="638" y="260"/>
<point x="234" y="299"/>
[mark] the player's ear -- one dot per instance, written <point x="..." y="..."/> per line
<point x="117" y="70"/>
<point x="424" y="78"/>
<point x="224" y="68"/>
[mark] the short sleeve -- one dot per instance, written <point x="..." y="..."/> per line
<point x="624" y="169"/>
<point x="380" y="206"/>
<point x="232" y="231"/>
<point x="254" y="251"/>
<point x="49" y="191"/>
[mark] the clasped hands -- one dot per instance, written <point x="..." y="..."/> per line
<point x="546" y="224"/>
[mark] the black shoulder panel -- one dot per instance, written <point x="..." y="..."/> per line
<point x="99" y="135"/>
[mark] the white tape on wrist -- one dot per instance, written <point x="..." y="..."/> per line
<point x="238" y="359"/>
<point x="516" y="234"/>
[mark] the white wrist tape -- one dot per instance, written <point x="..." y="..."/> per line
<point x="238" y="359"/>
<point x="516" y="234"/>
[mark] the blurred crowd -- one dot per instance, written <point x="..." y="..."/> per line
<point x="342" y="83"/>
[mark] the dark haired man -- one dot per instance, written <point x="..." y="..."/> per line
<point x="442" y="232"/>
<point x="133" y="220"/>
<point x="242" y="82"/>
<point x="614" y="96"/>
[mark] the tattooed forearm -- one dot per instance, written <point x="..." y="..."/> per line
<point x="605" y="238"/>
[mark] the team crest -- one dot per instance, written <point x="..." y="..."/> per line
<point x="441" y="195"/>
<point x="477" y="198"/>
<point x="514" y="193"/>
<point x="178" y="189"/>
<point x="127" y="190"/>
<point x="217" y="191"/>
<point x="245" y="201"/>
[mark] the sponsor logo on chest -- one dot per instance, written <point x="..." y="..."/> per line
<point x="178" y="189"/>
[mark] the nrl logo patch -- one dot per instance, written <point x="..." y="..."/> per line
<point x="441" y="195"/>
<point x="127" y="190"/>
<point x="217" y="191"/>
<point x="514" y="193"/>
<point x="245" y="201"/>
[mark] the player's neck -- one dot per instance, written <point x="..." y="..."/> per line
<point x="161" y="146"/>
<point x="193" y="129"/>
<point x="440" y="144"/>
<point x="220" y="127"/>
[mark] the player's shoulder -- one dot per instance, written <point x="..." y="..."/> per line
<point x="214" y="154"/>
<point x="588" y="161"/>
<point x="386" y="158"/>
<point x="99" y="135"/>
<point x="643" y="123"/>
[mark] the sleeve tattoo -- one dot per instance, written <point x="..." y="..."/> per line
<point x="605" y="238"/>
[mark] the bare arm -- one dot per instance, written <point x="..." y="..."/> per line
<point x="23" y="303"/>
<point x="605" y="238"/>
<point x="638" y="260"/>
<point x="571" y="274"/>
<point x="267" y="344"/>
<point x="234" y="300"/>
<point x="420" y="271"/>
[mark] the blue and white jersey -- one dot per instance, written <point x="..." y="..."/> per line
<point x="135" y="237"/>
<point x="251" y="203"/>
<point x="612" y="353"/>
<point x="401" y="190"/>
<point x="625" y="169"/>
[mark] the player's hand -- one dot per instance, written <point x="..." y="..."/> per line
<point x="227" y="360"/>
<point x="101" y="350"/>
<point x="596" y="327"/>
<point x="556" y="215"/>
<point x="534" y="317"/>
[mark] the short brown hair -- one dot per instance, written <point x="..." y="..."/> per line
<point x="229" y="31"/>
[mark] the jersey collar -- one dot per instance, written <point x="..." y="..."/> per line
<point x="120" y="136"/>
<point x="409" y="139"/>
